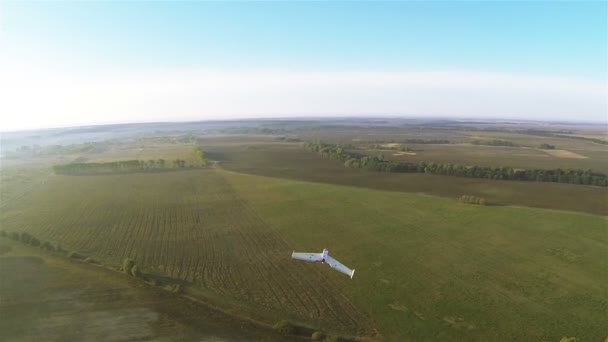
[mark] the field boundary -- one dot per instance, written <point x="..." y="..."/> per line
<point x="422" y="194"/>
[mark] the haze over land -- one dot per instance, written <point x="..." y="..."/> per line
<point x="63" y="64"/>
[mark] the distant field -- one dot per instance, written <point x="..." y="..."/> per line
<point x="190" y="226"/>
<point x="293" y="162"/>
<point x="18" y="178"/>
<point x="434" y="269"/>
<point x="500" y="156"/>
<point x="143" y="151"/>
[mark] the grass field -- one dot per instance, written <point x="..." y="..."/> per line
<point x="430" y="269"/>
<point x="427" y="268"/>
<point x="293" y="162"/>
<point x="190" y="226"/>
<point x="44" y="297"/>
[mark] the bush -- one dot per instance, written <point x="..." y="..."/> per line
<point x="317" y="336"/>
<point x="74" y="255"/>
<point x="3" y="233"/>
<point x="284" y="328"/>
<point x="34" y="242"/>
<point x="135" y="271"/>
<point x="175" y="288"/>
<point x="127" y="265"/>
<point x="59" y="249"/>
<point x="47" y="246"/>
<point x="14" y="236"/>
<point x="472" y="200"/>
<point x="25" y="237"/>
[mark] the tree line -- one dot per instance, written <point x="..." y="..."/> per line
<point x="495" y="142"/>
<point x="378" y="163"/>
<point x="565" y="135"/>
<point x="122" y="166"/>
<point x="414" y="141"/>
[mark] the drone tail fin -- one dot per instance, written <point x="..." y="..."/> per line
<point x="352" y="273"/>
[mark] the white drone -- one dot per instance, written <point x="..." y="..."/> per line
<point x="324" y="258"/>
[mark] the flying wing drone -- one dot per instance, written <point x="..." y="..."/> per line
<point x="325" y="259"/>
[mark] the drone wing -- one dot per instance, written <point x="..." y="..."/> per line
<point x="314" y="257"/>
<point x="336" y="265"/>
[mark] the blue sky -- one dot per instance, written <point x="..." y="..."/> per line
<point x="553" y="41"/>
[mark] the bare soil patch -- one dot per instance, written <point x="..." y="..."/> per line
<point x="564" y="154"/>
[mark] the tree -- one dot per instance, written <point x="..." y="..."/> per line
<point x="14" y="236"/>
<point x="127" y="265"/>
<point x="48" y="246"/>
<point x="25" y="237"/>
<point x="34" y="242"/>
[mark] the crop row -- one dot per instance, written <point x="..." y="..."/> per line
<point x="190" y="226"/>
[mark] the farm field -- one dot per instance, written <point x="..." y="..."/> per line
<point x="497" y="156"/>
<point x="427" y="268"/>
<point x="430" y="268"/>
<point x="529" y="266"/>
<point x="291" y="161"/>
<point x="51" y="298"/>
<point x="189" y="226"/>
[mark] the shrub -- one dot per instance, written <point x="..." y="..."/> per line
<point x="284" y="328"/>
<point x="317" y="336"/>
<point x="34" y="242"/>
<point x="3" y="233"/>
<point x="59" y="249"/>
<point x="175" y="288"/>
<point x="135" y="271"/>
<point x="74" y="255"/>
<point x="48" y="246"/>
<point x="14" y="236"/>
<point x="25" y="237"/>
<point x="127" y="265"/>
<point x="472" y="200"/>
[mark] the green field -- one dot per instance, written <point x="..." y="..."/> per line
<point x="190" y="226"/>
<point x="430" y="268"/>
<point x="530" y="266"/>
<point x="47" y="297"/>
<point x="293" y="162"/>
<point x="427" y="268"/>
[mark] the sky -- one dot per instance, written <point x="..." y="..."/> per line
<point x="82" y="63"/>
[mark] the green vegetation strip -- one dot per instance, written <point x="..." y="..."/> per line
<point x="377" y="163"/>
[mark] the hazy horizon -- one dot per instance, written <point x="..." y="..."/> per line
<point x="80" y="64"/>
